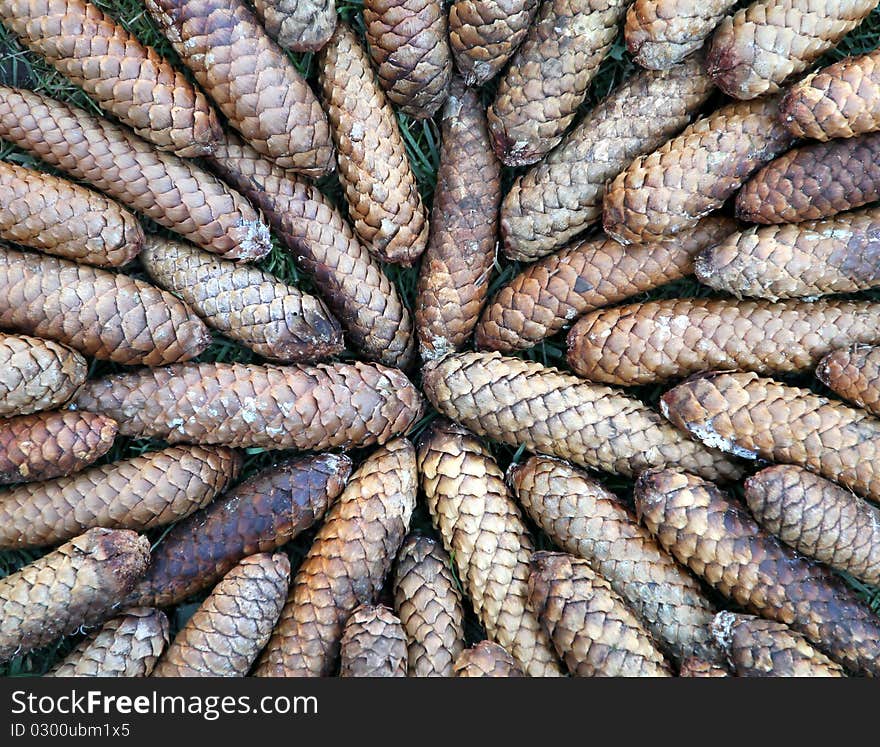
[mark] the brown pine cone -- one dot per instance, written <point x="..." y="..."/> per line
<point x="584" y="519"/>
<point x="250" y="79"/>
<point x="351" y="281"/>
<point x="660" y="33"/>
<point x="854" y="374"/>
<point x="383" y="197"/>
<point x="298" y="25"/>
<point x="428" y="603"/>
<point x="668" y="191"/>
<point x="55" y="216"/>
<point x="548" y="295"/>
<point x="259" y="515"/>
<point x="275" y="320"/>
<point x="127" y="79"/>
<point x="126" y="646"/>
<point x="346" y="565"/>
<point x="593" y="630"/>
<point x="52" y="444"/>
<point x="720" y="542"/>
<point x="814" y="181"/>
<point x="840" y="100"/>
<point x="561" y="196"/>
<point x="373" y="644"/>
<point x="310" y="408"/>
<point x="37" y="374"/>
<point x="814" y="258"/>
<point x="140" y="493"/>
<point x="757" y="418"/>
<point x="484" y="533"/>
<point x="763" y="648"/>
<point x="487" y="659"/>
<point x="229" y="629"/>
<point x="454" y="275"/>
<point x="694" y="667"/>
<point x="520" y="402"/>
<point x="484" y="34"/>
<point x="670" y="339"/>
<point x="107" y="315"/>
<point x="758" y="48"/>
<point x="177" y="194"/>
<point x="75" y="586"/>
<point x="549" y="76"/>
<point x="409" y="45"/>
<point x="818" y="518"/>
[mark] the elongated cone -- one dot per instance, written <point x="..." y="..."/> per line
<point x="673" y="338"/>
<point x="660" y="33"/>
<point x="229" y="629"/>
<point x="428" y="603"/>
<point x="298" y="25"/>
<point x="37" y="374"/>
<point x="55" y="216"/>
<point x="373" y="644"/>
<point x="52" y="444"/>
<point x="380" y="188"/>
<point x="817" y="180"/>
<point x="351" y="281"/>
<point x="487" y="659"/>
<point x="259" y="515"/>
<point x="177" y="194"/>
<point x="854" y="374"/>
<point x="763" y="648"/>
<point x="484" y="34"/>
<point x="814" y="258"/>
<point x="77" y="585"/>
<point x="250" y="79"/>
<point x="107" y="315"/>
<point x="584" y="519"/>
<point x="694" y="667"/>
<point x="548" y="77"/>
<point x="252" y="306"/>
<point x="668" y="191"/>
<point x="275" y="407"/>
<point x="550" y="294"/>
<point x="757" y="418"/>
<point x="817" y="518"/>
<point x="519" y="402"/>
<point x="593" y="630"/>
<point x="125" y="77"/>
<point x="720" y="542"/>
<point x="140" y="493"/>
<point x="409" y="45"/>
<point x="126" y="646"/>
<point x="562" y="195"/>
<point x="346" y="565"/>
<point x="455" y="271"/>
<point x="762" y="45"/>
<point x="837" y="101"/>
<point x="484" y="533"/>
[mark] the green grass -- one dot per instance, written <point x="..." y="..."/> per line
<point x="19" y="67"/>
